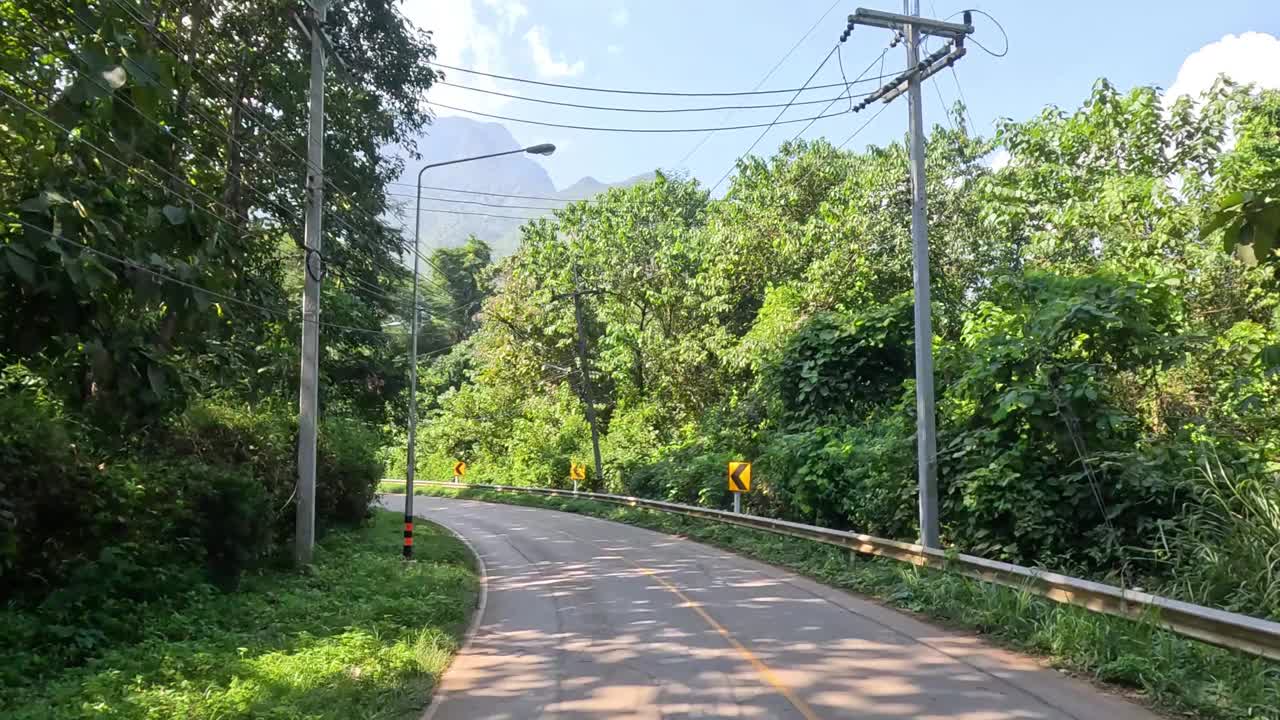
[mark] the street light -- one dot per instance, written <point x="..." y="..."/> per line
<point x="410" y="469"/>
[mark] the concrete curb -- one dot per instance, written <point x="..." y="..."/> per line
<point x="439" y="696"/>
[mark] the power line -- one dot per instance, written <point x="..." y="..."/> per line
<point x="596" y="128"/>
<point x="169" y="45"/>
<point x="162" y="186"/>
<point x="864" y="72"/>
<point x="475" y="202"/>
<point x="615" y="108"/>
<point x="655" y="93"/>
<point x="765" y="79"/>
<point x="781" y="112"/>
<point x="480" y="214"/>
<point x="139" y="265"/>
<point x="481" y="192"/>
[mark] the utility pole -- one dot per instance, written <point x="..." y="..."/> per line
<point x="586" y="372"/>
<point x="926" y="430"/>
<point x="308" y="395"/>
<point x="911" y="25"/>
<point x="583" y="366"/>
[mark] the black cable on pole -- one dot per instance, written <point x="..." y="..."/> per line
<point x="864" y="72"/>
<point x="655" y="93"/>
<point x="776" y="120"/>
<point x="1000" y="27"/>
<point x="597" y="128"/>
<point x="703" y="140"/>
<point x="615" y="108"/>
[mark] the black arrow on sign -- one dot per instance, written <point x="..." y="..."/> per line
<point x="735" y="477"/>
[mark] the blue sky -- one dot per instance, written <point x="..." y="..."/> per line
<point x="1056" y="51"/>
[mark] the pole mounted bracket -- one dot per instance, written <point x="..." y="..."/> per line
<point x="308" y="28"/>
<point x="897" y="21"/>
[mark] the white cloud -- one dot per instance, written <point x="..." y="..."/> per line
<point x="544" y="62"/>
<point x="614" y="49"/>
<point x="1250" y="57"/>
<point x="473" y="35"/>
<point x="999" y="159"/>
<point x="619" y="17"/>
<point x="509" y="12"/>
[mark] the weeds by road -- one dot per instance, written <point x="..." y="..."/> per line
<point x="363" y="635"/>
<point x="1173" y="673"/>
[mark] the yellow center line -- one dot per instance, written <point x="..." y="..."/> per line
<point x="756" y="663"/>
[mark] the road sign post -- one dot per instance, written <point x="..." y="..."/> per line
<point x="739" y="482"/>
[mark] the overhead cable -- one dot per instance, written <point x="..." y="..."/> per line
<point x="596" y="128"/>
<point x="656" y="93"/>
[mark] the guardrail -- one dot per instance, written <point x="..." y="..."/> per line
<point x="1218" y="627"/>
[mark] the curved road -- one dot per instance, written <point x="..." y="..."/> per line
<point x="591" y="619"/>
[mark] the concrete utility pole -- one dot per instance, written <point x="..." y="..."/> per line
<point x="911" y="25"/>
<point x="926" y="430"/>
<point x="583" y="367"/>
<point x="308" y="394"/>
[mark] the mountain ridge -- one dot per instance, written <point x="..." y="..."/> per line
<point x="450" y="217"/>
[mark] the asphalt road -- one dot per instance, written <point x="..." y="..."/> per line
<point x="590" y="619"/>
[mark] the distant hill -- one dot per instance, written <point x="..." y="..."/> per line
<point x="454" y="137"/>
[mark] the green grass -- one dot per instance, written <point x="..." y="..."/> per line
<point x="361" y="635"/>
<point x="1172" y="673"/>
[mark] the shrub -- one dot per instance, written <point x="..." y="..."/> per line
<point x="853" y="477"/>
<point x="42" y="507"/>
<point x="233" y="519"/>
<point x="1038" y="459"/>
<point x="839" y="365"/>
<point x="348" y="469"/>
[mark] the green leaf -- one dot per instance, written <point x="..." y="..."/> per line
<point x="22" y="266"/>
<point x="175" y="215"/>
<point x="155" y="376"/>
<point x="42" y="202"/>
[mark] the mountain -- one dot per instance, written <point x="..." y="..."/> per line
<point x="456" y="137"/>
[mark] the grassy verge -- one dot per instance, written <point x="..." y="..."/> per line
<point x="362" y="635"/>
<point x="1175" y="674"/>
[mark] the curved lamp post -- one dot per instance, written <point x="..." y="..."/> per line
<point x="410" y="469"/>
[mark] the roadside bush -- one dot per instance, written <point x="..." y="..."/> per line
<point x="841" y="365"/>
<point x="550" y="433"/>
<point x="853" y="477"/>
<point x="348" y="469"/>
<point x="234" y="522"/>
<point x="261" y="439"/>
<point x="43" y="512"/>
<point x="1038" y="460"/>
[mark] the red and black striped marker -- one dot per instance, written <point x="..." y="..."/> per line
<point x="408" y="537"/>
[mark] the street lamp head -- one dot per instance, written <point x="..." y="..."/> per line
<point x="543" y="149"/>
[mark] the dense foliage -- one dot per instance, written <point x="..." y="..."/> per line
<point x="152" y="165"/>
<point x="1107" y="342"/>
